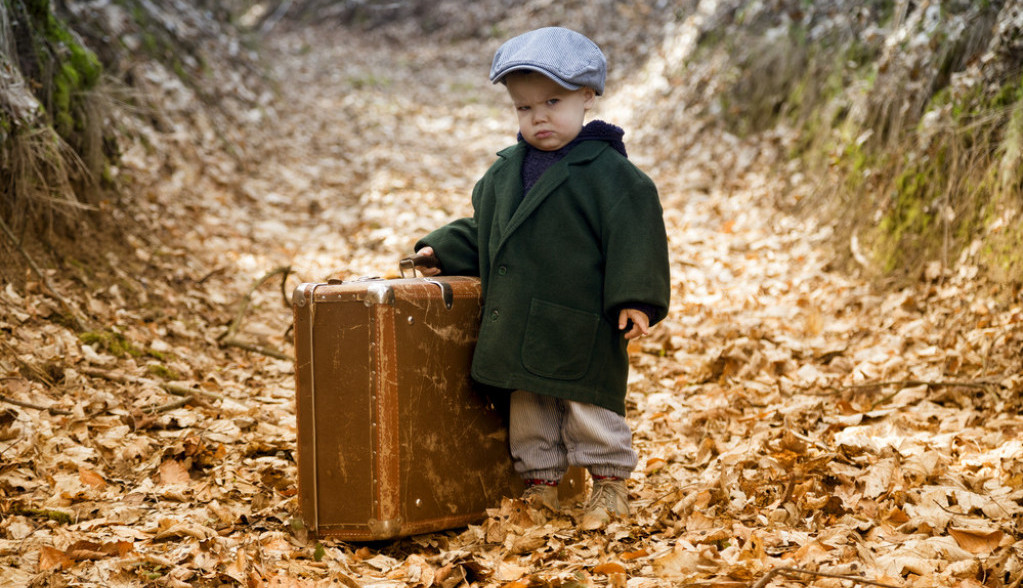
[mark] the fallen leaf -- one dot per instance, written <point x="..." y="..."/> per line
<point x="173" y="471"/>
<point x="91" y="478"/>
<point x="977" y="541"/>
<point x="51" y="558"/>
<point x="631" y="555"/>
<point x="654" y="464"/>
<point x="609" y="568"/>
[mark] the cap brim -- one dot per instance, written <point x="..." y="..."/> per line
<point x="499" y="76"/>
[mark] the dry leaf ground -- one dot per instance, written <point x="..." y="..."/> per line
<point x="788" y="418"/>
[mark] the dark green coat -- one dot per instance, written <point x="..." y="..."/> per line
<point x="556" y="268"/>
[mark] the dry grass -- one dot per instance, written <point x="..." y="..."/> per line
<point x="40" y="172"/>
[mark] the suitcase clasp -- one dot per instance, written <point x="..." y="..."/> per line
<point x="445" y="291"/>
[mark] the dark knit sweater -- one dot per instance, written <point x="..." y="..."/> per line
<point x="537" y="161"/>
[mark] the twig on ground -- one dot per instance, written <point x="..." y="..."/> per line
<point x="247" y="299"/>
<point x="169" y="387"/>
<point x="227" y="338"/>
<point x="248" y="347"/>
<point x="33" y="406"/>
<point x="793" y="572"/>
<point x="79" y="323"/>
<point x="210" y="274"/>
<point x="39" y="373"/>
<point x="169" y="406"/>
<point x="900" y="384"/>
<point x="908" y="383"/>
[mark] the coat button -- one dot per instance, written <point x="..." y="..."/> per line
<point x="502" y="270"/>
<point x="494" y="314"/>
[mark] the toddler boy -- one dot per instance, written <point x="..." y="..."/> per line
<point x="568" y="239"/>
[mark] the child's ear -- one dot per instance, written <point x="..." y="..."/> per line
<point x="589" y="98"/>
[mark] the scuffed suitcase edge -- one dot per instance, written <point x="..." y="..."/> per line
<point x="394" y="529"/>
<point x="303" y="308"/>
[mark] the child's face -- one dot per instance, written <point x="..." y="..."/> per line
<point x="549" y="115"/>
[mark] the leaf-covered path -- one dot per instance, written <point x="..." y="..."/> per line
<point x="794" y="424"/>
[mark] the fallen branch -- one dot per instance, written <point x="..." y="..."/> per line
<point x="248" y="347"/>
<point x="247" y="299"/>
<point x="227" y="338"/>
<point x="794" y="572"/>
<point x="169" y="387"/>
<point x="932" y="384"/>
<point x="79" y="323"/>
<point x="210" y="274"/>
<point x="169" y="406"/>
<point x="39" y="373"/>
<point x="33" y="406"/>
<point x="900" y="384"/>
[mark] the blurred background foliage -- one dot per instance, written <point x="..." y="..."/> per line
<point x="906" y="115"/>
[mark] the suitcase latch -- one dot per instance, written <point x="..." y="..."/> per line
<point x="445" y="291"/>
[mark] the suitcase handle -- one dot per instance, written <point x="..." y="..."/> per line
<point x="411" y="263"/>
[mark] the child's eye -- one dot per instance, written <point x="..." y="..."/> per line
<point x="522" y="108"/>
<point x="553" y="101"/>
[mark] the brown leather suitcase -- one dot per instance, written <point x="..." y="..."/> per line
<point x="393" y="437"/>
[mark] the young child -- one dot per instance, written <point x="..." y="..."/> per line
<point x="568" y="239"/>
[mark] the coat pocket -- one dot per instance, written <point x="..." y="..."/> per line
<point x="559" y="340"/>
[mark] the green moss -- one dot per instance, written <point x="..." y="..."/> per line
<point x="65" y="83"/>
<point x="163" y="371"/>
<point x="86" y="64"/>
<point x="58" y="516"/>
<point x="907" y="230"/>
<point x="157" y="354"/>
<point x="1003" y="254"/>
<point x="179" y="70"/>
<point x="76" y="69"/>
<point x="111" y="342"/>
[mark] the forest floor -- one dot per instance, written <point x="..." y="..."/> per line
<point x="797" y="426"/>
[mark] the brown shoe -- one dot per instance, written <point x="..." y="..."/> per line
<point x="609" y="498"/>
<point x="537" y="495"/>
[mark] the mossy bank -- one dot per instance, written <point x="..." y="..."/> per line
<point x="909" y="115"/>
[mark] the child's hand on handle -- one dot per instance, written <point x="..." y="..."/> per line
<point x="640" y="323"/>
<point x="432" y="267"/>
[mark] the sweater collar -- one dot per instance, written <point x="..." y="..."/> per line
<point x="596" y="130"/>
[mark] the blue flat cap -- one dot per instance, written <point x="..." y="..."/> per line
<point x="565" y="56"/>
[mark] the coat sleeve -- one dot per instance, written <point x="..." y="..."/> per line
<point x="636" y="267"/>
<point x="456" y="247"/>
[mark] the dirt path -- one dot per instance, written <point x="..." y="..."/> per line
<point x="786" y="416"/>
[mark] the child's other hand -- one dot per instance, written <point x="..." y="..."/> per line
<point x="640" y="323"/>
<point x="428" y="271"/>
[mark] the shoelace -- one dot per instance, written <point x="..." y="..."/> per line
<point x="607" y="494"/>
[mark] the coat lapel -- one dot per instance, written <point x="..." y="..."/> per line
<point x="508" y="185"/>
<point x="511" y="217"/>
